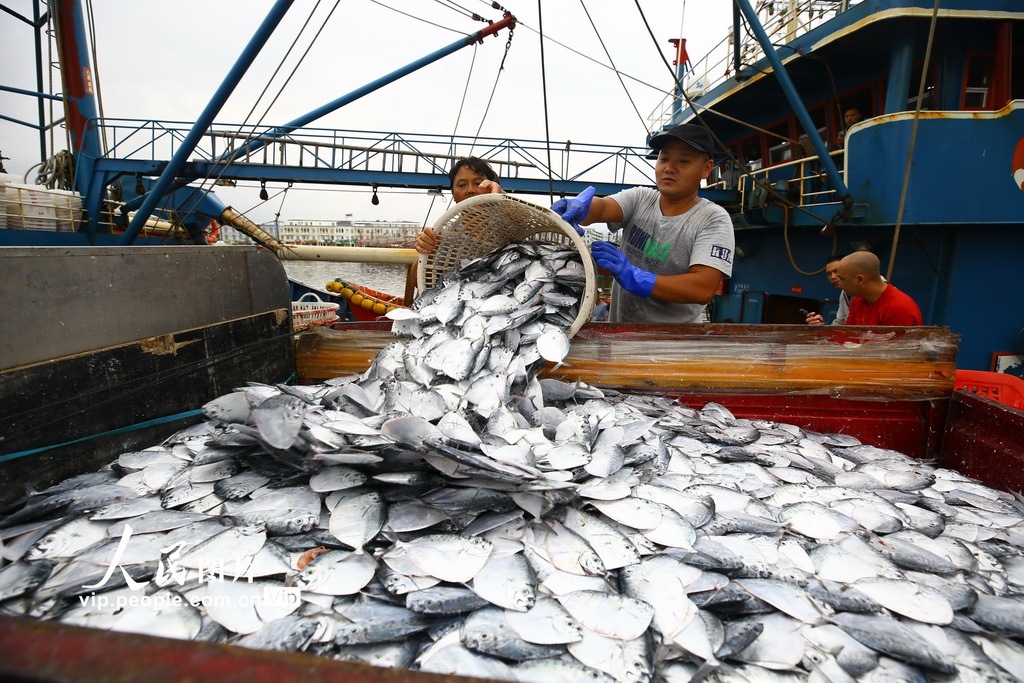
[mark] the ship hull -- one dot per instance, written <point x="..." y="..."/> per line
<point x="103" y="354"/>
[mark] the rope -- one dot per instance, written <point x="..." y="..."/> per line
<point x="280" y="207"/>
<point x="591" y="59"/>
<point x="50" y="33"/>
<point x="643" y="121"/>
<point x="264" y="201"/>
<point x="56" y="172"/>
<point x="459" y="10"/>
<point x="544" y="90"/>
<point x="462" y="104"/>
<point x="789" y="248"/>
<point x="913" y="140"/>
<point x="120" y="430"/>
<point x="96" y="73"/>
<point x="494" y="88"/>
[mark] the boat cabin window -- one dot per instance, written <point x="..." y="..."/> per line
<point x="977" y="78"/>
<point x="750" y="152"/>
<point x="851" y="108"/>
<point x="803" y="146"/>
<point x="725" y="175"/>
<point x="1017" y="74"/>
<point x="779" y="145"/>
<point x="929" y="90"/>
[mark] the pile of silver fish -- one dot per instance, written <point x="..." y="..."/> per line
<point x="449" y="511"/>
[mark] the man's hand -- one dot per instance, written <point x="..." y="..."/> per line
<point x="427" y="241"/>
<point x="574" y="210"/>
<point x="489" y="187"/>
<point x="632" y="279"/>
<point x="815" y="319"/>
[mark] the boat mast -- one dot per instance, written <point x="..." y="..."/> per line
<point x="80" y="108"/>
<point x="682" y="64"/>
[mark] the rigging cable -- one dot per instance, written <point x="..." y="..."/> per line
<point x="96" y="73"/>
<point x="195" y="197"/>
<point x="116" y="191"/>
<point x="544" y="90"/>
<point x="448" y="4"/>
<point x="643" y="121"/>
<point x="264" y="201"/>
<point x="58" y="170"/>
<point x="591" y="59"/>
<point x="301" y="59"/>
<point x="417" y="18"/>
<point x="913" y="140"/>
<point x="462" y="103"/>
<point x="494" y="88"/>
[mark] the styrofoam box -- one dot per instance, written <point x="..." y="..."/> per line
<point x="34" y="207"/>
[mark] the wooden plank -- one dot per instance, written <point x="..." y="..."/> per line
<point x="849" y="362"/>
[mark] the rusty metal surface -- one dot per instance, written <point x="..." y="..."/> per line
<point x="38" y="650"/>
<point x="985" y="440"/>
<point x="70" y="300"/>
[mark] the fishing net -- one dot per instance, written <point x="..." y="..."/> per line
<point x="481" y="224"/>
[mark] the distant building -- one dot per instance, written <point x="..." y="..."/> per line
<point x="347" y="232"/>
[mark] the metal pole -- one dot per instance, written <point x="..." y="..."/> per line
<point x="242" y="64"/>
<point x="36" y="25"/>
<point x="287" y="128"/>
<point x="794" y="100"/>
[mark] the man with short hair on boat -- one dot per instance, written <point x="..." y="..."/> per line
<point x="850" y="117"/>
<point x="843" y="312"/>
<point x="468" y="177"/>
<point x="832" y="273"/>
<point x="873" y="301"/>
<point x="676" y="246"/>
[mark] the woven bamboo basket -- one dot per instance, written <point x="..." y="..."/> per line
<point x="479" y="225"/>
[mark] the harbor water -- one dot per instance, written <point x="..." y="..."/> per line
<point x="383" y="277"/>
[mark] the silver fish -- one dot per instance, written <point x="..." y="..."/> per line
<point x="894" y="639"/>
<point x="487" y="631"/>
<point x="68" y="539"/>
<point x="337" y="572"/>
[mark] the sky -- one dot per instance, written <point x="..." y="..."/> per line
<point x="163" y="60"/>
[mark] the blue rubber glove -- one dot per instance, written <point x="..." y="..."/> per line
<point x="576" y="209"/>
<point x="632" y="279"/>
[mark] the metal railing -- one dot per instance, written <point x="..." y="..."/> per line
<point x="783" y="21"/>
<point x="801" y="181"/>
<point x="381" y="151"/>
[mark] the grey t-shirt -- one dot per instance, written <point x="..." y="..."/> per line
<point x="668" y="245"/>
<point x="844" y="309"/>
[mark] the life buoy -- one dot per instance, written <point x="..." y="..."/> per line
<point x="213" y="231"/>
<point x="1018" y="165"/>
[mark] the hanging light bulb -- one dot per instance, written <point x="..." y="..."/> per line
<point x="139" y="188"/>
<point x="375" y="200"/>
<point x="263" y="190"/>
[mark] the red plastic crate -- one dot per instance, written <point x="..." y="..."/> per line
<point x="998" y="386"/>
